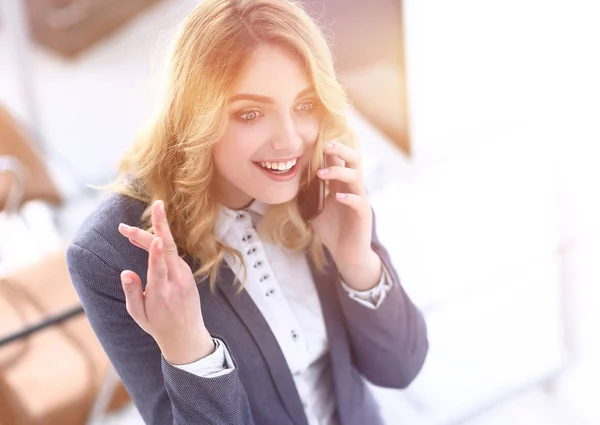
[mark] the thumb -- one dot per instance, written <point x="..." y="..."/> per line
<point x="134" y="296"/>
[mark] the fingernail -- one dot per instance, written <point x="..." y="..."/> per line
<point x="123" y="226"/>
<point x="329" y="145"/>
<point x="161" y="207"/>
<point x="126" y="279"/>
<point x="159" y="244"/>
<point x="324" y="171"/>
<point x="340" y="195"/>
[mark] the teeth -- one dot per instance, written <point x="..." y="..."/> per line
<point x="280" y="166"/>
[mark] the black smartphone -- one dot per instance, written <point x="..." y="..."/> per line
<point x="311" y="198"/>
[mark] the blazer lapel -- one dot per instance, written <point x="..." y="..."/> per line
<point x="257" y="326"/>
<point x="328" y="287"/>
<point x="327" y="284"/>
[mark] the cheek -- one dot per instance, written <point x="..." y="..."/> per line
<point x="308" y="129"/>
<point x="220" y="153"/>
<point x="236" y="146"/>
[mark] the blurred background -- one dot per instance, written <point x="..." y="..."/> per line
<point x="479" y="125"/>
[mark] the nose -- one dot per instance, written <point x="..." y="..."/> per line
<point x="287" y="136"/>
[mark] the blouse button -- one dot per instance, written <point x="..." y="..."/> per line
<point x="294" y="335"/>
<point x="251" y="251"/>
<point x="270" y="292"/>
<point x="257" y="264"/>
<point x="264" y="277"/>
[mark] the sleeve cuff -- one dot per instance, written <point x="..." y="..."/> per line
<point x="372" y="298"/>
<point x="217" y="364"/>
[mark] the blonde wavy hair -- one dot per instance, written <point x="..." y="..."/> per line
<point x="172" y="158"/>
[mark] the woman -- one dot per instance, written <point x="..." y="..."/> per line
<point x="214" y="300"/>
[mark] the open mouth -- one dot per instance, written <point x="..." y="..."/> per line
<point x="279" y="168"/>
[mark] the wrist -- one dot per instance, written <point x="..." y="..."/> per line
<point x="361" y="275"/>
<point x="189" y="349"/>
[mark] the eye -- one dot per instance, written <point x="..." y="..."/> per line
<point x="305" y="107"/>
<point x="250" y="115"/>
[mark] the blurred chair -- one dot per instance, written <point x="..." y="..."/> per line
<point x="37" y="183"/>
<point x="52" y="367"/>
<point x="27" y="194"/>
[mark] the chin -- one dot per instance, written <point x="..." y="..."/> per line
<point x="277" y="195"/>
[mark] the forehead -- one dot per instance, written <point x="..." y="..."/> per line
<point x="272" y="71"/>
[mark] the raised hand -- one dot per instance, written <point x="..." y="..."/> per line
<point x="169" y="308"/>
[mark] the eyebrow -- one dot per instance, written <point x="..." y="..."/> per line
<point x="266" y="99"/>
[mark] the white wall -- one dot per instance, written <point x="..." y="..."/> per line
<point x="482" y="69"/>
<point x="477" y="68"/>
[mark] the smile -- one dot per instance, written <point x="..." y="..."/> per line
<point x="279" y="171"/>
<point x="279" y="166"/>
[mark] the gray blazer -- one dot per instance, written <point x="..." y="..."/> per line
<point x="387" y="346"/>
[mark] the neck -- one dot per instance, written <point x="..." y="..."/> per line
<point x="230" y="196"/>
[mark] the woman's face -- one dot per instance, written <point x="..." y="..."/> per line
<point x="272" y="128"/>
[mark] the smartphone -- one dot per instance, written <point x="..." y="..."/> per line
<point x="311" y="198"/>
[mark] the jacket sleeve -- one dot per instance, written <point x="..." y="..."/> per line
<point x="389" y="344"/>
<point x="162" y="393"/>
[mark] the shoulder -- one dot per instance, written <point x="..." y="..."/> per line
<point x="98" y="238"/>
